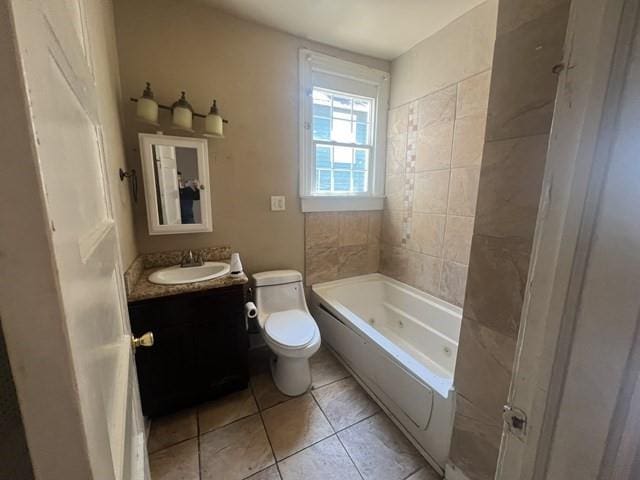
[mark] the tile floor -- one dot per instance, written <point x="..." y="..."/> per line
<point x="334" y="432"/>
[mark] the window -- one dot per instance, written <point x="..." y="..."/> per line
<point x="343" y="123"/>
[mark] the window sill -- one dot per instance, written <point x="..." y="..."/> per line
<point x="340" y="204"/>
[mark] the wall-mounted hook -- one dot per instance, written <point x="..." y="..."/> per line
<point x="134" y="181"/>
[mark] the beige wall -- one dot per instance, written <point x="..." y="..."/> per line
<point x="439" y="95"/>
<point x="253" y="73"/>
<point x="528" y="44"/>
<point x="341" y="244"/>
<point x="105" y="60"/>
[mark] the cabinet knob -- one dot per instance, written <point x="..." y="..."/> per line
<point x="144" y="340"/>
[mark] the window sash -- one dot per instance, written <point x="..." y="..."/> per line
<point x="367" y="171"/>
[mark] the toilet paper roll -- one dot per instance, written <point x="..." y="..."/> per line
<point x="250" y="310"/>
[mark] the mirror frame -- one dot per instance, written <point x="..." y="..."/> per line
<point x="147" y="140"/>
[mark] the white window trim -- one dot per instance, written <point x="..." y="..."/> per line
<point x="310" y="61"/>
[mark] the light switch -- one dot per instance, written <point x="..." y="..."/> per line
<point x="277" y="203"/>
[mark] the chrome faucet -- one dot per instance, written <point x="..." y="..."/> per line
<point x="191" y="260"/>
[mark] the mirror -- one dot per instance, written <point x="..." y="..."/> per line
<point x="176" y="177"/>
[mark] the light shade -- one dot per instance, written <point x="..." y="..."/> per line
<point x="182" y="113"/>
<point x="213" y="122"/>
<point x="147" y="109"/>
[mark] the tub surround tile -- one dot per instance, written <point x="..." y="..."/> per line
<point x="178" y="462"/>
<point x="394" y="262"/>
<point x="350" y="249"/>
<point x="379" y="450"/>
<point x="433" y="146"/>
<point x="487" y="360"/>
<point x="325" y="368"/>
<point x="392" y="223"/>
<point x="295" y="425"/>
<point x="394" y="192"/>
<point x="354" y="260"/>
<point x="375" y="228"/>
<point x="321" y="265"/>
<point x="476" y="441"/>
<point x="171" y="429"/>
<point x="266" y="393"/>
<point x="321" y="230"/>
<point x="396" y="154"/>
<point x="270" y="473"/>
<point x="353" y="228"/>
<point x="496" y="282"/>
<point x="468" y="140"/>
<point x="511" y="182"/>
<point x="235" y="451"/>
<point x="398" y="119"/>
<point x="463" y="191"/>
<point x="427" y="234"/>
<point x="453" y="282"/>
<point x="226" y="410"/>
<point x="523" y="89"/>
<point x="457" y="239"/>
<point x="326" y="460"/>
<point x="518" y="12"/>
<point x="437" y="107"/>
<point x="473" y="95"/>
<point x="431" y="192"/>
<point x="344" y="403"/>
<point x="424" y="272"/>
<point x="522" y="101"/>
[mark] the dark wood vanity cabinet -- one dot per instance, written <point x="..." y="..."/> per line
<point x="200" y="349"/>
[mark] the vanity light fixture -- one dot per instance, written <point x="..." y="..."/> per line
<point x="181" y="114"/>
<point x="213" y="122"/>
<point x="147" y="109"/>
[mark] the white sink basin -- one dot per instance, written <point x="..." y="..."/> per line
<point x="176" y="274"/>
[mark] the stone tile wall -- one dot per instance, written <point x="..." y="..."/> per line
<point x="433" y="165"/>
<point x="529" y="42"/>
<point x="340" y="244"/>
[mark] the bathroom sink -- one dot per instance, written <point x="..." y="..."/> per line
<point x="177" y="274"/>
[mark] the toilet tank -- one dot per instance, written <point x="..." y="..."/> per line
<point x="278" y="290"/>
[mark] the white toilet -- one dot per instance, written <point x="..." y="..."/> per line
<point x="287" y="328"/>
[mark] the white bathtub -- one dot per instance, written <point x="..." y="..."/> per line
<point x="401" y="344"/>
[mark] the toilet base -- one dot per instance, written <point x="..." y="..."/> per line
<point x="292" y="376"/>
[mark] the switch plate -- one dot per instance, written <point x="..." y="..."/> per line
<point x="277" y="203"/>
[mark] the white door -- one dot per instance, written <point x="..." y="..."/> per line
<point x="578" y="355"/>
<point x="54" y="48"/>
<point x="167" y="167"/>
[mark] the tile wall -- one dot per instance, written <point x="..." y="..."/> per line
<point x="433" y="165"/>
<point x="529" y="43"/>
<point x="341" y="244"/>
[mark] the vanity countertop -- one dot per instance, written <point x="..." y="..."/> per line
<point x="140" y="288"/>
<point x="144" y="289"/>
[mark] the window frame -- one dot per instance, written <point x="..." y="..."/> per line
<point x="355" y="80"/>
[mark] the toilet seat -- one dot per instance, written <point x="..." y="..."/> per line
<point x="291" y="328"/>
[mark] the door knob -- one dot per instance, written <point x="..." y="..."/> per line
<point x="144" y="340"/>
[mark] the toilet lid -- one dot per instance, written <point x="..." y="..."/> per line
<point x="291" y="328"/>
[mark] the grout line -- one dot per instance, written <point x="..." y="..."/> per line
<point x="266" y="432"/>
<point x="172" y="445"/>
<point x="338" y="437"/>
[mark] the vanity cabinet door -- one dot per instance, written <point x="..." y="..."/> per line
<point x="222" y="342"/>
<point x="200" y="348"/>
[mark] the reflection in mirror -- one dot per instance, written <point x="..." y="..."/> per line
<point x="178" y="185"/>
